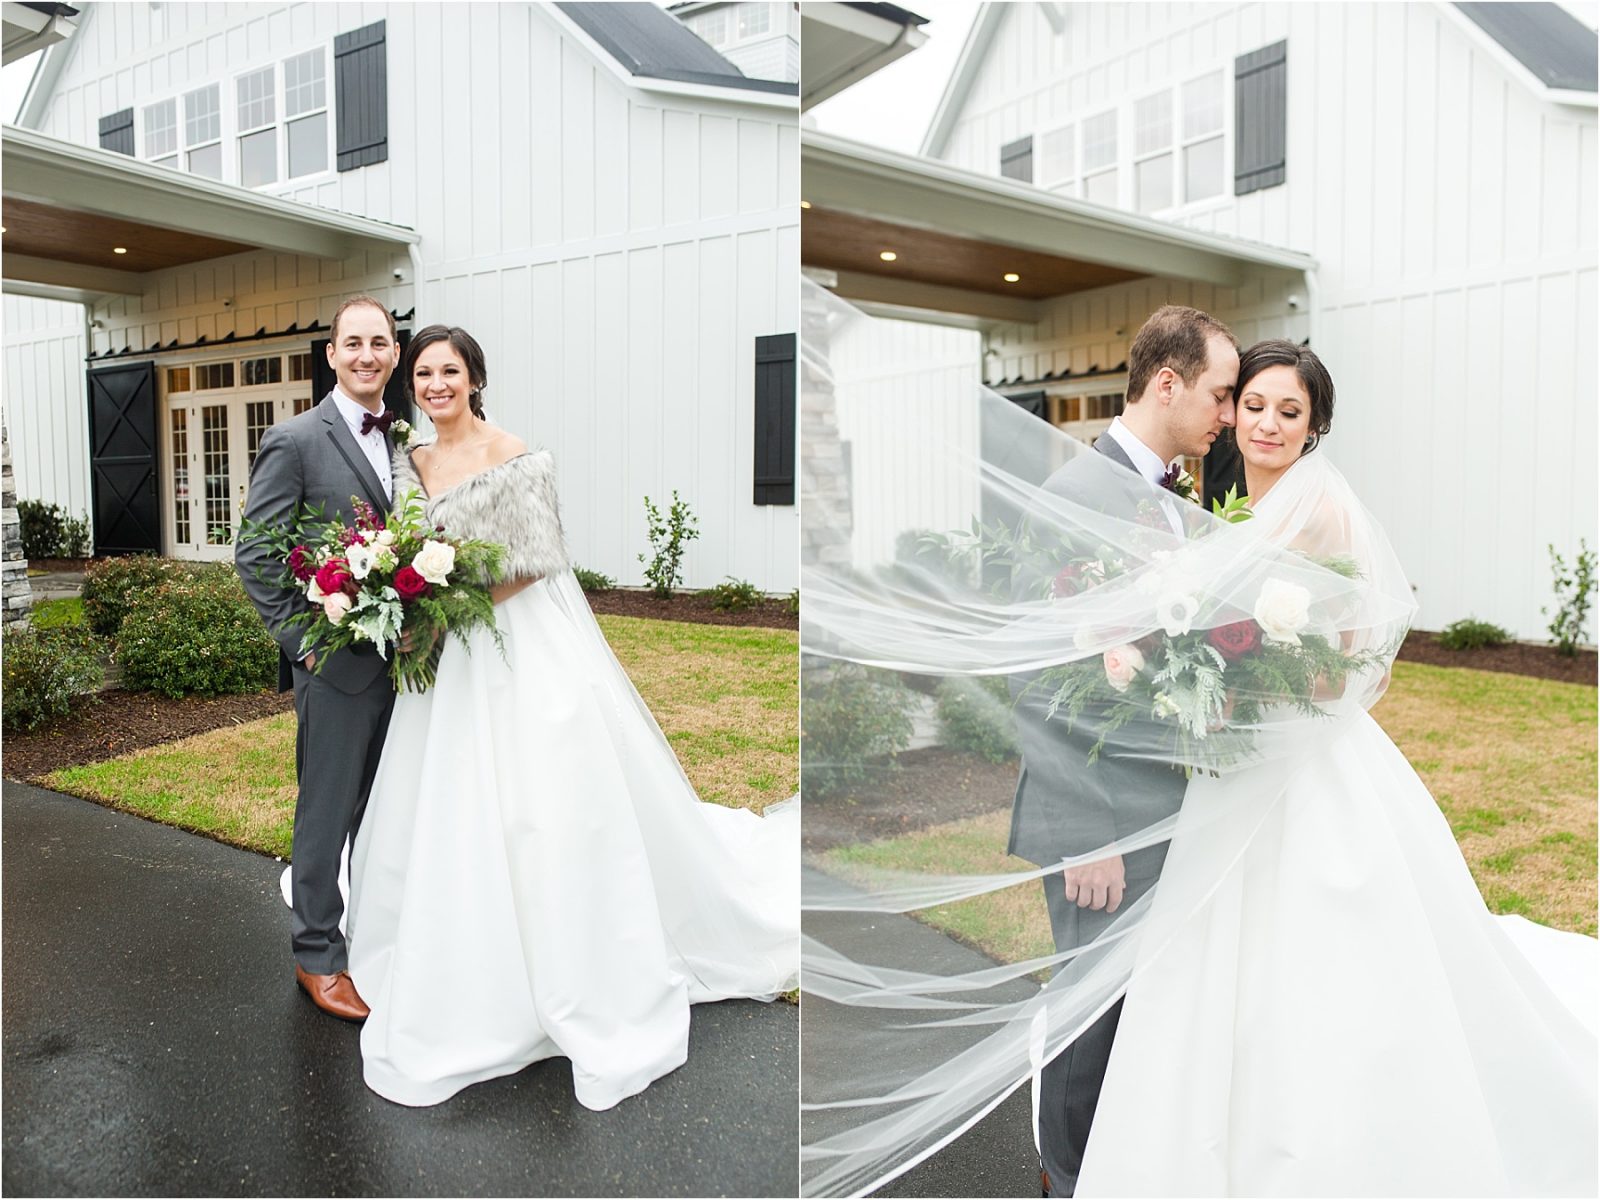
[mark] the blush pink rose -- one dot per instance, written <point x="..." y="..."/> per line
<point x="336" y="607"/>
<point x="1122" y="664"/>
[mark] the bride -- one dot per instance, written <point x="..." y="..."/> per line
<point x="1315" y="999"/>
<point x="535" y="876"/>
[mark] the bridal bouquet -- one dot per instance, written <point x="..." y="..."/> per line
<point x="387" y="574"/>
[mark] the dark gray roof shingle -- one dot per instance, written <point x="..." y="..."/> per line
<point x="650" y="42"/>
<point x="1553" y="44"/>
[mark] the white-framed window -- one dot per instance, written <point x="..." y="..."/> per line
<point x="161" y="132"/>
<point x="202" y="131"/>
<point x="305" y="113"/>
<point x="754" y="19"/>
<point x="258" y="127"/>
<point x="1204" y="117"/>
<point x="1058" y="159"/>
<point x="1152" y="152"/>
<point x="711" y="27"/>
<point x="1100" y="158"/>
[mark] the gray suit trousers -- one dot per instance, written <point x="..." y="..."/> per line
<point x="336" y="751"/>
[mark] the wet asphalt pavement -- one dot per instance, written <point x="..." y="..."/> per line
<point x="154" y="1043"/>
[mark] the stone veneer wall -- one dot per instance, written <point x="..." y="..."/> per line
<point x="14" y="586"/>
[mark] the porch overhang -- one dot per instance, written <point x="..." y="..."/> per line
<point x="969" y="231"/>
<point x="31" y="27"/>
<point x="841" y="44"/>
<point x="68" y="208"/>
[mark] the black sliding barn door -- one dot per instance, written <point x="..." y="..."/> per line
<point x="122" y="459"/>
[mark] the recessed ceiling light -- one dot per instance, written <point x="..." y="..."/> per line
<point x="1012" y="277"/>
<point x="887" y="255"/>
<point x="119" y="249"/>
<point x="805" y="204"/>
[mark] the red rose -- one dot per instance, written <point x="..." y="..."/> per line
<point x="334" y="576"/>
<point x="410" y="584"/>
<point x="1235" y="641"/>
<point x="300" y="564"/>
<point x="1068" y="581"/>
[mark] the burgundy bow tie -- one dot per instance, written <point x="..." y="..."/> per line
<point x="370" y="422"/>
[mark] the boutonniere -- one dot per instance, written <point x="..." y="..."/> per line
<point x="1180" y="483"/>
<point x="400" y="434"/>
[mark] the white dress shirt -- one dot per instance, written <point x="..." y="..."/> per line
<point x="374" y="444"/>
<point x="1148" y="463"/>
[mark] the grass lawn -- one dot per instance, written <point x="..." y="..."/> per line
<point x="1511" y="761"/>
<point x="726" y="696"/>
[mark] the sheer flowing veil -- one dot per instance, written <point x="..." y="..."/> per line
<point x="1007" y="579"/>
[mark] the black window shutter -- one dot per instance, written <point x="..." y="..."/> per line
<point x="775" y="419"/>
<point x="1016" y="159"/>
<point x="1260" y="107"/>
<point x="361" y="97"/>
<point x="116" y="132"/>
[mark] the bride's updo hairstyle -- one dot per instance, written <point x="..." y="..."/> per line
<point x="1313" y="375"/>
<point x="465" y="345"/>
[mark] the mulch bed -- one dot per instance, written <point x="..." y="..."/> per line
<point x="690" y="606"/>
<point x="932" y="785"/>
<point x="120" y="721"/>
<point x="1542" y="662"/>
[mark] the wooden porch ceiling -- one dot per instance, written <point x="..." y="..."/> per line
<point x="845" y="242"/>
<point x="89" y="239"/>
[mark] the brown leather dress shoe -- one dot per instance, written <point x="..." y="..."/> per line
<point x="334" y="993"/>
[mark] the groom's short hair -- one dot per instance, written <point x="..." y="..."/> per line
<point x="351" y="301"/>
<point x="1175" y="336"/>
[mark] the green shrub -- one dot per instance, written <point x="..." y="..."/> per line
<point x="44" y="671"/>
<point x="975" y="716"/>
<point x="112" y="585"/>
<point x="735" y="595"/>
<point x="195" y="635"/>
<point x="850" y="714"/>
<point x="669" y="536"/>
<point x="65" y="613"/>
<point x="48" y="531"/>
<point x="1471" y="634"/>
<point x="593" y="581"/>
<point x="792" y="604"/>
<point x="1573" y="586"/>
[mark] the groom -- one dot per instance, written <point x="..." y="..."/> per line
<point x="1182" y="367"/>
<point x="337" y="450"/>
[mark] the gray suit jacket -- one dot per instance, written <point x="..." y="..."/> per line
<point x="308" y="460"/>
<point x="1065" y="806"/>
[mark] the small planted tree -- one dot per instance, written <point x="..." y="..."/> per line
<point x="669" y="538"/>
<point x="1573" y="586"/>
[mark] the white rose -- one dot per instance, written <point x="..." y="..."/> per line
<point x="360" y="559"/>
<point x="435" y="561"/>
<point x="1282" y="611"/>
<point x="1083" y="637"/>
<point x="1175" y="612"/>
<point x="1122" y="664"/>
<point x="315" y="594"/>
<point x="335" y="607"/>
<point x="385" y="537"/>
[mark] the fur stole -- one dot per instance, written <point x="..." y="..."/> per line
<point x="513" y="504"/>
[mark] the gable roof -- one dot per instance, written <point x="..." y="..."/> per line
<point x="1554" y="46"/>
<point x="650" y="43"/>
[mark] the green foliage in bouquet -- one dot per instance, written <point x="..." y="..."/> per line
<point x="1471" y="634"/>
<point x="975" y="716"/>
<point x="853" y="714"/>
<point x="44" y="671"/>
<point x="195" y="634"/>
<point x="669" y="539"/>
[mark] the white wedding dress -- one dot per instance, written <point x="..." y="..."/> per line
<point x="535" y="876"/>
<point x="1323" y="1005"/>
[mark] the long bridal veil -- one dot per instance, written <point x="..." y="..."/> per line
<point x="983" y="582"/>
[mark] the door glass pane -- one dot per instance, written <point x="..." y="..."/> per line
<point x="257" y="420"/>
<point x="262" y="370"/>
<point x="302" y="404"/>
<point x="308" y="145"/>
<point x="299" y="367"/>
<point x="214" y="375"/>
<point x="214" y="433"/>
<point x="180" y="476"/>
<point x="258" y="158"/>
<point x="177" y="379"/>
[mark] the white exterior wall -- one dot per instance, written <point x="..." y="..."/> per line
<point x="900" y="386"/>
<point x="616" y="252"/>
<point x="45" y="410"/>
<point x="1453" y="213"/>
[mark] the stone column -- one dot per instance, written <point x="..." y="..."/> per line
<point x="14" y="586"/>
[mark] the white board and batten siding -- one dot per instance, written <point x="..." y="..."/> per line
<point x="44" y="348"/>
<point x="616" y="251"/>
<point x="1453" y="214"/>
